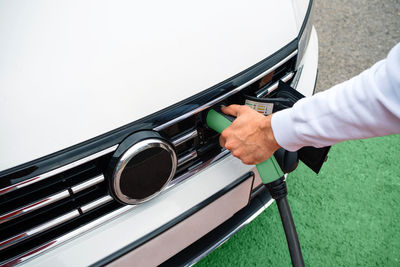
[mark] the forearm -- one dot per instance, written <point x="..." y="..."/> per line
<point x="367" y="105"/>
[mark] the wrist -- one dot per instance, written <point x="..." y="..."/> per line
<point x="270" y="137"/>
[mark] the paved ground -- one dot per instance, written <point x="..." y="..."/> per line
<point x="353" y="34"/>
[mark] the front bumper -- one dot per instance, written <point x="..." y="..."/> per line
<point x="260" y="200"/>
<point x="123" y="236"/>
<point x="141" y="223"/>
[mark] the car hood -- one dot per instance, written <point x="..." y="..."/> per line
<point x="73" y="70"/>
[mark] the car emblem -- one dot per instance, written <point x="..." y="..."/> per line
<point x="141" y="167"/>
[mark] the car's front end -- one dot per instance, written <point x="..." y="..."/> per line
<point x="88" y="90"/>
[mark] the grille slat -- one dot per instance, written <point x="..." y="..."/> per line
<point x="37" y="230"/>
<point x="83" y="192"/>
<point x="186" y="158"/>
<point x="182" y="139"/>
<point x="33" y="206"/>
<point x="264" y="91"/>
<point x="89" y="183"/>
<point x="54" y="172"/>
<point x="97" y="203"/>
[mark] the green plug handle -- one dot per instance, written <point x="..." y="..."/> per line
<point x="268" y="170"/>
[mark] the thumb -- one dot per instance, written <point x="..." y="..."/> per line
<point x="232" y="110"/>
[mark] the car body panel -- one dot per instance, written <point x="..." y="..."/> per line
<point x="140" y="221"/>
<point x="309" y="66"/>
<point x="71" y="71"/>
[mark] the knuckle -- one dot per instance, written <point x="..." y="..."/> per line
<point x="225" y="134"/>
<point x="221" y="142"/>
<point x="247" y="109"/>
<point x="236" y="154"/>
<point x="246" y="161"/>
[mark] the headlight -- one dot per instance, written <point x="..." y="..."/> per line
<point x="305" y="33"/>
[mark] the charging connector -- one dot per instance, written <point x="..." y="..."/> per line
<point x="273" y="178"/>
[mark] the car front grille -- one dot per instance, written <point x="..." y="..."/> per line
<point x="37" y="210"/>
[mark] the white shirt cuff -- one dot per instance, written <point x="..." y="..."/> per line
<point x="284" y="132"/>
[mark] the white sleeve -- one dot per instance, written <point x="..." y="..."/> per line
<point x="365" y="106"/>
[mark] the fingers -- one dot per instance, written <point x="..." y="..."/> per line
<point x="236" y="150"/>
<point x="225" y="141"/>
<point x="222" y="141"/>
<point x="238" y="110"/>
<point x="232" y="110"/>
<point x="247" y="160"/>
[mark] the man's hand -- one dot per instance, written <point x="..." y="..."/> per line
<point x="250" y="136"/>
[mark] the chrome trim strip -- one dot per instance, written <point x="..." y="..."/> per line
<point x="180" y="140"/>
<point x="229" y="235"/>
<point x="189" y="156"/>
<point x="89" y="183"/>
<point x="297" y="77"/>
<point x="33" y="206"/>
<point x="39" y="229"/>
<point x="274" y="86"/>
<point x="46" y="175"/>
<point x="97" y="203"/>
<point x="218" y="99"/>
<point x="99" y="221"/>
<point x="198" y="169"/>
<point x="53" y="223"/>
<point x="47" y="246"/>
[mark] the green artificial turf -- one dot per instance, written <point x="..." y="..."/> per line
<point x="348" y="215"/>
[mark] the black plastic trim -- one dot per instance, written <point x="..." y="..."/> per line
<point x="307" y="16"/>
<point x="94" y="145"/>
<point x="171" y="223"/>
<point x="315" y="82"/>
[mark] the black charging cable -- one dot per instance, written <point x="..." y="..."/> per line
<point x="288" y="162"/>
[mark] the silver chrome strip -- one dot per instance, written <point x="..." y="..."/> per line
<point x="184" y="138"/>
<point x="46" y="175"/>
<point x="274" y="86"/>
<point x="33" y="206"/>
<point x="230" y="234"/>
<point x="297" y="77"/>
<point x="189" y="156"/>
<point x="89" y="183"/>
<point x="218" y="99"/>
<point x="53" y="223"/>
<point x="41" y="228"/>
<point x="196" y="170"/>
<point x="46" y="246"/>
<point x="97" y="203"/>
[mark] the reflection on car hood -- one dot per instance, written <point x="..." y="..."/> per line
<point x="72" y="71"/>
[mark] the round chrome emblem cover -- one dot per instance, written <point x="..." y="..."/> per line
<point x="143" y="169"/>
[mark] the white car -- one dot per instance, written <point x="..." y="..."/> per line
<point x="105" y="156"/>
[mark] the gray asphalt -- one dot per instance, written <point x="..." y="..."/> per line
<point x="353" y="35"/>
